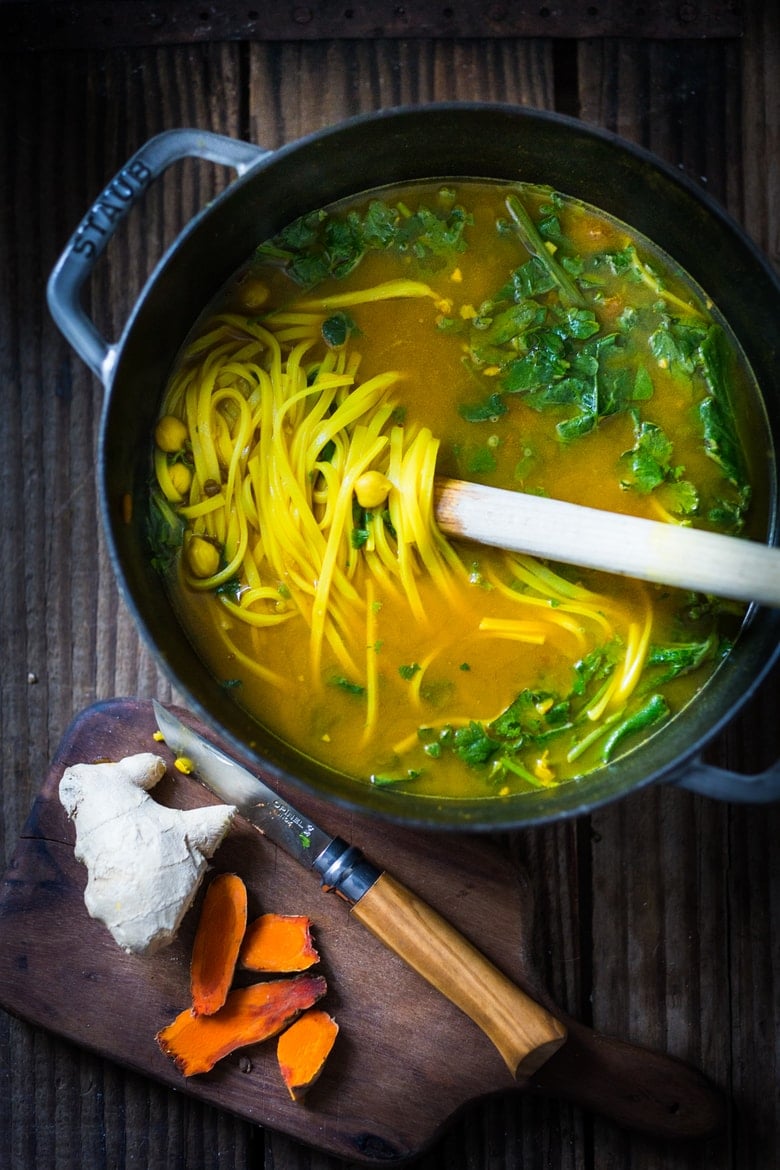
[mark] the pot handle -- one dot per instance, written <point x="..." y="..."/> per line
<point x="101" y="221"/>
<point x="722" y="784"/>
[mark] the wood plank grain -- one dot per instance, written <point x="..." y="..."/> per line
<point x="67" y="123"/>
<point x="64" y="120"/>
<point x="671" y="970"/>
<point x="751" y="916"/>
<point x="759" y="113"/>
<point x="288" y="99"/>
<point x="48" y="24"/>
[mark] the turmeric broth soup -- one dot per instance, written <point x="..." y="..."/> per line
<point x="497" y="333"/>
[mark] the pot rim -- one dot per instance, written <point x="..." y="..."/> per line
<point x="574" y="799"/>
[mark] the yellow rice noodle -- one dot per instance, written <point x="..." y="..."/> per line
<point x="279" y="434"/>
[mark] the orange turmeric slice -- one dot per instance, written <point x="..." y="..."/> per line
<point x="250" y="1015"/>
<point x="217" y="943"/>
<point x="302" y="1050"/>
<point x="279" y="943"/>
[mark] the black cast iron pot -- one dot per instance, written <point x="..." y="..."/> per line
<point x="272" y="188"/>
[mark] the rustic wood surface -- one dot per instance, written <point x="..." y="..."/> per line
<point x="387" y="1091"/>
<point x="656" y="918"/>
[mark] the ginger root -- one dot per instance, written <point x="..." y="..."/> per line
<point x="145" y="862"/>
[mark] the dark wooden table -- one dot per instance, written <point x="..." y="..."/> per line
<point x="656" y="918"/>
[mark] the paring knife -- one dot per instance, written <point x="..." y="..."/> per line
<point x="524" y="1032"/>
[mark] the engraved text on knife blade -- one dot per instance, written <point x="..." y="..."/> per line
<point x="308" y="838"/>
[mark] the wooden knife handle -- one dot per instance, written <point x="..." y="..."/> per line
<point x="525" y="1033"/>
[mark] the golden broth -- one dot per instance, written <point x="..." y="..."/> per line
<point x="568" y="359"/>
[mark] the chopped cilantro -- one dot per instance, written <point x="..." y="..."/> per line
<point x="680" y="498"/>
<point x="667" y="662"/>
<point x="529" y="234"/>
<point x="384" y="781"/>
<point x="531" y="279"/>
<point x="643" y="385"/>
<point x="579" y="323"/>
<point x="327" y="452"/>
<point x="595" y="666"/>
<point x="542" y="364"/>
<point x="230" y="589"/>
<point x="489" y="410"/>
<point x="525" y="463"/>
<point x="532" y="713"/>
<point x="361" y="519"/>
<point x="473" y="745"/>
<point x="648" y="466"/>
<point x="321" y="245"/>
<point x="675" y="345"/>
<point x="344" y="684"/>
<point x="648" y="463"/>
<point x="481" y="462"/>
<point x="165" y="531"/>
<point x="337" y="329"/>
<point x="720" y="442"/>
<point x="730" y="514"/>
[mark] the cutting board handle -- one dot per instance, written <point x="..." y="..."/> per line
<point x="635" y="1087"/>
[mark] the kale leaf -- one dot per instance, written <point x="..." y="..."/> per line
<point x="655" y="710"/>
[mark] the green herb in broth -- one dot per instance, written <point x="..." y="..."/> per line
<point x="538" y="338"/>
<point x="511" y="335"/>
<point x="320" y="245"/>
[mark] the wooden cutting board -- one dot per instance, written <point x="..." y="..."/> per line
<point x="405" y="1059"/>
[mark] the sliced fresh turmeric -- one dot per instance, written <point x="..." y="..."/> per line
<point x="250" y="1015"/>
<point x="303" y="1048"/>
<point x="217" y="943"/>
<point x="277" y="943"/>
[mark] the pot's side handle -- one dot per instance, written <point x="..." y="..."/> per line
<point x="101" y="221"/>
<point x="722" y="784"/>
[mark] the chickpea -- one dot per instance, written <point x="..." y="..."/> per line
<point x="202" y="557"/>
<point x="254" y="293"/>
<point x="371" y="489"/>
<point x="181" y="478"/>
<point x="170" y="434"/>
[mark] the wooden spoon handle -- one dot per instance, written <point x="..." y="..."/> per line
<point x="635" y="1087"/>
<point x="523" y="1031"/>
<point x="669" y="554"/>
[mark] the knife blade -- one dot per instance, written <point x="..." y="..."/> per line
<point x="524" y="1032"/>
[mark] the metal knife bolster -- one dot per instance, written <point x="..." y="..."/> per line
<point x="345" y="871"/>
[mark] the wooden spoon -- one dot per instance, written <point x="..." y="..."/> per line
<point x="669" y="554"/>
